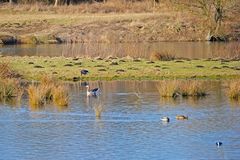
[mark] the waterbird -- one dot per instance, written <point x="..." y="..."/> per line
<point x="165" y="119"/>
<point x="181" y="117"/>
<point x="84" y="72"/>
<point x="218" y="144"/>
<point x="92" y="92"/>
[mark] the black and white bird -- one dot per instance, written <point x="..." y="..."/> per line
<point x="92" y="92"/>
<point x="218" y="144"/>
<point x="84" y="72"/>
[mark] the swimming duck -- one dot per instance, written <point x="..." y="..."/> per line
<point x="165" y="119"/>
<point x="218" y="144"/>
<point x="181" y="117"/>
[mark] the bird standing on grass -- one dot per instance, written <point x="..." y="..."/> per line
<point x="84" y="72"/>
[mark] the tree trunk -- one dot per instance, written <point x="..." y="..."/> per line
<point x="56" y="3"/>
<point x="10" y="1"/>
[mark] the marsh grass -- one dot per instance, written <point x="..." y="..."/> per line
<point x="98" y="108"/>
<point x="175" y="88"/>
<point x="36" y="96"/>
<point x="166" y="56"/>
<point x="49" y="90"/>
<point x="6" y="71"/>
<point x="168" y="88"/>
<point x="234" y="90"/>
<point x="192" y="88"/>
<point x="60" y="96"/>
<point x="9" y="89"/>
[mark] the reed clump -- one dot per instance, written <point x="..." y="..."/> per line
<point x="192" y="88"/>
<point x="234" y="90"/>
<point x="166" y="56"/>
<point x="175" y="88"/>
<point x="36" y="96"/>
<point x="7" y="72"/>
<point x="98" y="110"/>
<point x="48" y="91"/>
<point x="10" y="88"/>
<point x="60" y="96"/>
<point x="168" y="88"/>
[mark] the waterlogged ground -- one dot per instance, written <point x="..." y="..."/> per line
<point x="130" y="127"/>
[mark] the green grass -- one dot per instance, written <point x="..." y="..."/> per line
<point x="128" y="70"/>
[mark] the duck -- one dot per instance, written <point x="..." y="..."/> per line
<point x="219" y="144"/>
<point x="165" y="119"/>
<point x="84" y="72"/>
<point x="92" y="92"/>
<point x="181" y="117"/>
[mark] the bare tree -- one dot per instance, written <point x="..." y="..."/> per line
<point x="56" y="3"/>
<point x="214" y="10"/>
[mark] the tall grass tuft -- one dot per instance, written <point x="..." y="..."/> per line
<point x="234" y="90"/>
<point x="168" y="88"/>
<point x="10" y="88"/>
<point x="7" y="72"/>
<point x="192" y="88"/>
<point x="36" y="96"/>
<point x="49" y="90"/>
<point x="156" y="56"/>
<point x="60" y="96"/>
<point x="174" y="88"/>
<point x="98" y="110"/>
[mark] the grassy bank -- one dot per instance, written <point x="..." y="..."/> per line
<point x="109" y="22"/>
<point x="110" y="68"/>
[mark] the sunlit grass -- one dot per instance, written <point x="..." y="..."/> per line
<point x="234" y="90"/>
<point x="132" y="70"/>
<point x="174" y="88"/>
<point x="192" y="88"/>
<point x="60" y="96"/>
<point x="47" y="91"/>
<point x="36" y="96"/>
<point x="168" y="88"/>
<point x="10" y="88"/>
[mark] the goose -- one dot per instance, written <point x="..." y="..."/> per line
<point x="92" y="92"/>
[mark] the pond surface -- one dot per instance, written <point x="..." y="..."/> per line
<point x="130" y="126"/>
<point x="179" y="49"/>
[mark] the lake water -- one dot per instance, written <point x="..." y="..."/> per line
<point x="130" y="126"/>
<point x="179" y="49"/>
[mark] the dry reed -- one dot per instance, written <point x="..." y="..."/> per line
<point x="168" y="88"/>
<point x="156" y="56"/>
<point x="36" y="96"/>
<point x="234" y="90"/>
<point x="10" y="88"/>
<point x="98" y="110"/>
<point x="192" y="88"/>
<point x="60" y="96"/>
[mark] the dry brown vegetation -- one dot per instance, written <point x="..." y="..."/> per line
<point x="10" y="88"/>
<point x="165" y="56"/>
<point x="174" y="88"/>
<point x="113" y="21"/>
<point x="49" y="90"/>
<point x="98" y="108"/>
<point x="234" y="90"/>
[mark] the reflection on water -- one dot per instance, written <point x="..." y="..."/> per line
<point x="179" y="49"/>
<point x="130" y="126"/>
